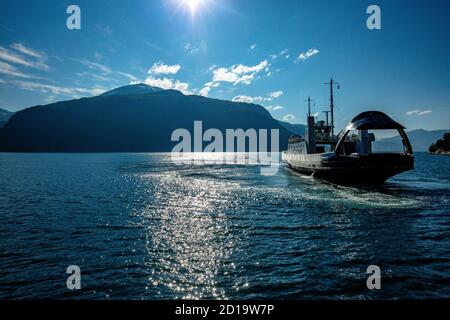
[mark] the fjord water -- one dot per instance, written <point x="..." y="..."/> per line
<point x="143" y="227"/>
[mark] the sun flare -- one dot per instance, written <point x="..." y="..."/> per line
<point x="193" y="5"/>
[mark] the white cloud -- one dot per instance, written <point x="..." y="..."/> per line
<point x="270" y="97"/>
<point x="260" y="99"/>
<point x="212" y="84"/>
<point x="253" y="46"/>
<point x="418" y="112"/>
<point x="95" y="66"/>
<point x="161" y="68"/>
<point x="241" y="69"/>
<point x="103" y="72"/>
<point x="306" y="55"/>
<point x="190" y="49"/>
<point x="28" y="51"/>
<point x="204" y="91"/>
<point x="131" y="78"/>
<point x="225" y="75"/>
<point x="50" y="99"/>
<point x="289" y="118"/>
<point x="274" y="108"/>
<point x="9" y="70"/>
<point x="165" y="83"/>
<point x="239" y="73"/>
<point x="105" y="29"/>
<point x="410" y="113"/>
<point x="94" y="91"/>
<point x="13" y="57"/>
<point x="95" y="76"/>
<point x="58" y="90"/>
<point x="242" y="98"/>
<point x="156" y="78"/>
<point x="276" y="94"/>
<point x="207" y="88"/>
<point x="282" y="53"/>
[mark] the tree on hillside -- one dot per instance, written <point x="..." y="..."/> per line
<point x="432" y="148"/>
<point x="441" y="145"/>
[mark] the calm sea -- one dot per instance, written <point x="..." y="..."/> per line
<point x="142" y="227"/>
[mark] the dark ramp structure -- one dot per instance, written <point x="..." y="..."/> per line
<point x="375" y="120"/>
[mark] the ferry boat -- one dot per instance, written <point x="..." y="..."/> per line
<point x="346" y="158"/>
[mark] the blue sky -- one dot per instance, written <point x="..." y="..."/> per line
<point x="274" y="53"/>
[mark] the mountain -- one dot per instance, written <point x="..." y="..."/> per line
<point x="128" y="119"/>
<point x="420" y="140"/>
<point x="4" y="116"/>
<point x="298" y="129"/>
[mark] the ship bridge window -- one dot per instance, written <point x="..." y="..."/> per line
<point x="387" y="141"/>
<point x="373" y="141"/>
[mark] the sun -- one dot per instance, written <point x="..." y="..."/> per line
<point x="193" y="5"/>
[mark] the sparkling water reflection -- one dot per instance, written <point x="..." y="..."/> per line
<point x="188" y="235"/>
<point x="143" y="227"/>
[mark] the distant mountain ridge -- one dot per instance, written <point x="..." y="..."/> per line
<point x="4" y="116"/>
<point x="420" y="140"/>
<point x="135" y="118"/>
<point x="297" y="129"/>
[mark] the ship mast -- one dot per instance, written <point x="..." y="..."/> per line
<point x="332" y="83"/>
<point x="332" y="107"/>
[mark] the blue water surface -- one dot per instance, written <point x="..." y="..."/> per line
<point x="141" y="226"/>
